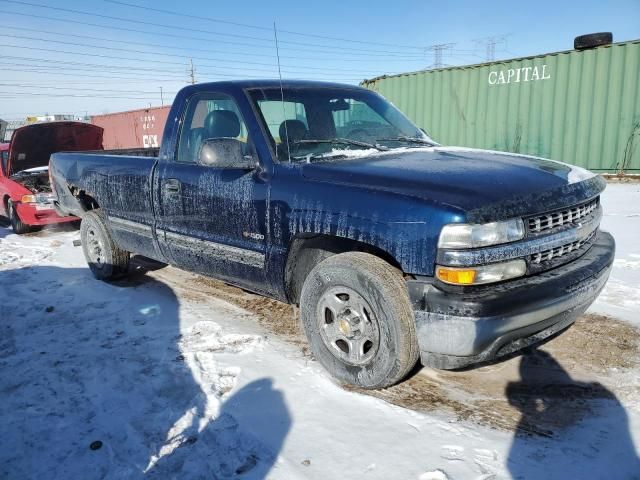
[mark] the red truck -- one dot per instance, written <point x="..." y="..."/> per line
<point x="25" y="192"/>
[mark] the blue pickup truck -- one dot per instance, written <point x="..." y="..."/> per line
<point x="324" y="195"/>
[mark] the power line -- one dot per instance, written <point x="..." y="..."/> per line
<point x="64" y="65"/>
<point x="51" y="87"/>
<point x="258" y="27"/>
<point x="156" y="72"/>
<point x="340" y="51"/>
<point x="173" y="27"/>
<point x="89" y="74"/>
<point x="394" y="58"/>
<point x="146" y="52"/>
<point x="192" y="49"/>
<point x="83" y="82"/>
<point x="72" y="95"/>
<point x="162" y="75"/>
<point x="18" y="114"/>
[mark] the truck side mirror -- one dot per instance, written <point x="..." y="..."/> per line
<point x="225" y="153"/>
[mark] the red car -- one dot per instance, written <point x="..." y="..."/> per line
<point x="25" y="193"/>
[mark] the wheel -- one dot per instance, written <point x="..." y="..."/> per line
<point x="106" y="260"/>
<point x="592" y="40"/>
<point x="19" y="227"/>
<point x="358" y="319"/>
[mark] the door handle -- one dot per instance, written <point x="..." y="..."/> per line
<point x="172" y="185"/>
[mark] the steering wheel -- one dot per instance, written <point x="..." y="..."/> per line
<point x="361" y="135"/>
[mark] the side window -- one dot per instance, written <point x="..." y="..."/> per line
<point x="5" y="161"/>
<point x="210" y="116"/>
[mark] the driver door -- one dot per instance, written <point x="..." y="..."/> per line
<point x="212" y="218"/>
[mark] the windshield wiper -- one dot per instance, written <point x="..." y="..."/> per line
<point x="343" y="141"/>
<point x="404" y="138"/>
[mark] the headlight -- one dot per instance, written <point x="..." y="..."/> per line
<point x="37" y="198"/>
<point x="464" y="235"/>
<point x="495" y="272"/>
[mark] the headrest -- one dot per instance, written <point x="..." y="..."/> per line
<point x="221" y="123"/>
<point x="294" y="129"/>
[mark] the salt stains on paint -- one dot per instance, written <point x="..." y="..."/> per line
<point x="401" y="239"/>
<point x="574" y="174"/>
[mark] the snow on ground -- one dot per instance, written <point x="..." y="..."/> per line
<point x="621" y="296"/>
<point x="144" y="378"/>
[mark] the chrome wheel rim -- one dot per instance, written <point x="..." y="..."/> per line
<point x="348" y="326"/>
<point x="95" y="248"/>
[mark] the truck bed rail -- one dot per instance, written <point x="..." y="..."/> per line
<point x="133" y="152"/>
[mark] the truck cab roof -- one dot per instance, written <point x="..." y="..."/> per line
<point x="266" y="83"/>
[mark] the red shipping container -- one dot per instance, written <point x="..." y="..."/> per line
<point x="133" y="129"/>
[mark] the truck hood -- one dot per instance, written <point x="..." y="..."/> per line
<point x="483" y="185"/>
<point x="32" y="145"/>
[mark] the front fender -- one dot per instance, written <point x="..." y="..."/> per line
<point x="412" y="243"/>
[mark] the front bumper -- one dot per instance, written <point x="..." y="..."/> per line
<point x="30" y="215"/>
<point x="458" y="329"/>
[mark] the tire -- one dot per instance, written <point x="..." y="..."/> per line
<point x="19" y="227"/>
<point x="106" y="260"/>
<point x="592" y="40"/>
<point x="345" y="299"/>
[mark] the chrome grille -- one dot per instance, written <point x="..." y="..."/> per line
<point x="557" y="252"/>
<point x="543" y="223"/>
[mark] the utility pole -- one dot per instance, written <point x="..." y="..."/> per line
<point x="438" y="50"/>
<point x="192" y="72"/>
<point x="161" y="97"/>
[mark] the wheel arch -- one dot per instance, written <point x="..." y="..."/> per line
<point x="86" y="200"/>
<point x="306" y="250"/>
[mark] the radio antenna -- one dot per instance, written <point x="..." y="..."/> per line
<point x="284" y="114"/>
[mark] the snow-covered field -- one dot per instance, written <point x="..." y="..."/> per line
<point x="155" y="377"/>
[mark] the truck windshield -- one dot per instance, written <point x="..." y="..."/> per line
<point x="321" y="122"/>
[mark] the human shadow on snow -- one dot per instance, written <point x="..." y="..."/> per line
<point x="568" y="428"/>
<point x="94" y="383"/>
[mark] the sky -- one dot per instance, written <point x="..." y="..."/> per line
<point x="102" y="56"/>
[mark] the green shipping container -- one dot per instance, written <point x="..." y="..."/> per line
<point x="580" y="107"/>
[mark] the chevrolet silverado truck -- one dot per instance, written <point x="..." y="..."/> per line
<point x="395" y="248"/>
<point x="25" y="195"/>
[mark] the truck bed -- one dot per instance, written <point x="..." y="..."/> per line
<point x="79" y="179"/>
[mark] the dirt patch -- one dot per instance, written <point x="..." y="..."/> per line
<point x="277" y="317"/>
<point x="624" y="178"/>
<point x="540" y="392"/>
<point x="598" y="343"/>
